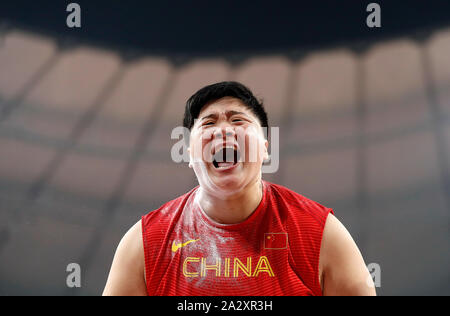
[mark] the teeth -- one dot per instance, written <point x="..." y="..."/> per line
<point x="224" y="165"/>
<point x="216" y="150"/>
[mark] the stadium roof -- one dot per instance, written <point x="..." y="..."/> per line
<point x="225" y="27"/>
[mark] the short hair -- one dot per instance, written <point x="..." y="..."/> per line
<point x="220" y="90"/>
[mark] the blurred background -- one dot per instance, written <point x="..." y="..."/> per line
<point x="86" y="116"/>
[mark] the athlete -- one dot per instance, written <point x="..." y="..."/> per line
<point x="235" y="233"/>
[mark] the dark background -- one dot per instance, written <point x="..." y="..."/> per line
<point x="86" y="116"/>
<point x="223" y="27"/>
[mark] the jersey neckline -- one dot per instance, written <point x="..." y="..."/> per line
<point x="237" y="226"/>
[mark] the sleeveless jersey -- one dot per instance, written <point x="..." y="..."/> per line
<point x="274" y="252"/>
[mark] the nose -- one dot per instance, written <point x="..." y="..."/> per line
<point x="224" y="131"/>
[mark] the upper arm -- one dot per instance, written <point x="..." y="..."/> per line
<point x="343" y="271"/>
<point x="126" y="276"/>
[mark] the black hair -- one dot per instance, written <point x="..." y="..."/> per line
<point x="220" y="90"/>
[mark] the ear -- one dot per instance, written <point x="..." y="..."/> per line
<point x="190" y="158"/>
<point x="266" y="150"/>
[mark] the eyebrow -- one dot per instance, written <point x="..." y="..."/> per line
<point x="228" y="113"/>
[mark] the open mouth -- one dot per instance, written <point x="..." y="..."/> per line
<point x="226" y="158"/>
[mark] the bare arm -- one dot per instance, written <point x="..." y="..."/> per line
<point x="126" y="277"/>
<point x="343" y="271"/>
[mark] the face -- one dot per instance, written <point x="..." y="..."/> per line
<point x="227" y="147"/>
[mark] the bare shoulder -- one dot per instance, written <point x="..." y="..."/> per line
<point x="341" y="265"/>
<point x="334" y="228"/>
<point x="126" y="276"/>
<point x="132" y="240"/>
<point x="131" y="247"/>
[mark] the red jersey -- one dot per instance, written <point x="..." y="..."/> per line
<point x="273" y="252"/>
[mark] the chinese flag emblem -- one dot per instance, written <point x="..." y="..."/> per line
<point x="275" y="240"/>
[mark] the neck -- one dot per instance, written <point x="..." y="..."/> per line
<point x="232" y="209"/>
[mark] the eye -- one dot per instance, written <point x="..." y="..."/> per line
<point x="208" y="123"/>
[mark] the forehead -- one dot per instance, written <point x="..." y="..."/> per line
<point x="224" y="105"/>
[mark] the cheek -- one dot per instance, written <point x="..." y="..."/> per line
<point x="252" y="146"/>
<point x="200" y="147"/>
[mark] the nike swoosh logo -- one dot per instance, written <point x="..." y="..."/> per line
<point x="175" y="246"/>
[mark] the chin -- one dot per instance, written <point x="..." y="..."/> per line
<point x="227" y="180"/>
<point x="230" y="183"/>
